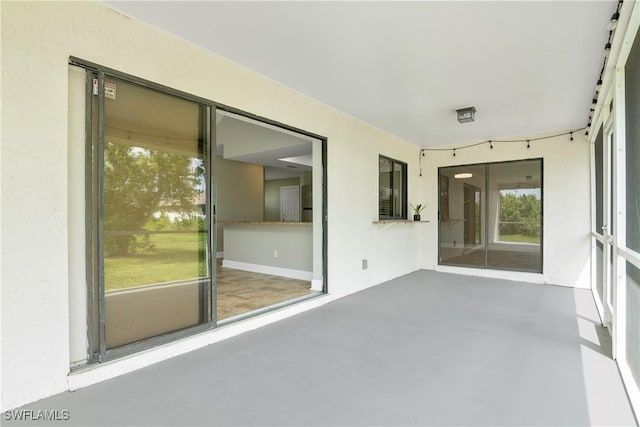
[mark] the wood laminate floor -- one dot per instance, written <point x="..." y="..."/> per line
<point x="241" y="291"/>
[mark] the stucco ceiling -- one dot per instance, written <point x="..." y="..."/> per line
<point x="528" y="67"/>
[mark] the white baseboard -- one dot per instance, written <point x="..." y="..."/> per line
<point x="267" y="269"/>
<point x="316" y="285"/>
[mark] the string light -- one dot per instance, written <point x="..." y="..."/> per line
<point x="491" y="141"/>
<point x="490" y="145"/>
<point x="613" y="23"/>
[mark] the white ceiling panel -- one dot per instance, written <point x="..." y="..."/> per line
<point x="528" y="67"/>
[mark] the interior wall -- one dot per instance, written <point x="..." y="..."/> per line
<point x="37" y="211"/>
<point x="239" y="193"/>
<point x="566" y="221"/>
<point x="272" y="197"/>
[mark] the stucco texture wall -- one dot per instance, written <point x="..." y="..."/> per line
<point x="566" y="201"/>
<point x="35" y="171"/>
<point x="37" y="40"/>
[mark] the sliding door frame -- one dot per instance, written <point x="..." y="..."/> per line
<point x="94" y="232"/>
<point x="485" y="206"/>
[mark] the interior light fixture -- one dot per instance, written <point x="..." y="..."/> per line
<point x="490" y="144"/>
<point x="571" y="137"/>
<point x="528" y="145"/>
<point x="463" y="175"/>
<point x="466" y="114"/>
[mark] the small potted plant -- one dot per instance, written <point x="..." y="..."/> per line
<point x="416" y="210"/>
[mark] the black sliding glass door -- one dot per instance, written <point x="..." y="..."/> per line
<point x="491" y="216"/>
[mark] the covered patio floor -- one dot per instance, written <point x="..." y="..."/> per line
<point x="428" y="348"/>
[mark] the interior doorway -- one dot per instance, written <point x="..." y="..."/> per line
<point x="290" y="203"/>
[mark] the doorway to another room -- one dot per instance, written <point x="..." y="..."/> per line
<point x="269" y="224"/>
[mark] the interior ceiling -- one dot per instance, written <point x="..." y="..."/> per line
<point x="528" y="67"/>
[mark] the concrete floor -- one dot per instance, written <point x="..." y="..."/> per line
<point x="428" y="348"/>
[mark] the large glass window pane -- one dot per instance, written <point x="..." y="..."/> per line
<point x="632" y="151"/>
<point x="633" y="320"/>
<point x="156" y="277"/>
<point x="269" y="206"/>
<point x="461" y="219"/>
<point x="515" y="216"/>
<point x="490" y="215"/>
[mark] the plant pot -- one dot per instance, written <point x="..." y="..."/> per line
<point x="416" y="217"/>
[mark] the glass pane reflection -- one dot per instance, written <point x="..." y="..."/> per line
<point x="491" y="215"/>
<point x="155" y="256"/>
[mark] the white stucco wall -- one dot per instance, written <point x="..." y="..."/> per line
<point x="41" y="228"/>
<point x="566" y="198"/>
<point x="40" y="225"/>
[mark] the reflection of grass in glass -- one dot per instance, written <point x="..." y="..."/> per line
<point x="174" y="257"/>
<point x="519" y="238"/>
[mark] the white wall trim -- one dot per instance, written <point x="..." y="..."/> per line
<point x="267" y="269"/>
<point x="219" y="255"/>
<point x="100" y="372"/>
<point x="316" y="285"/>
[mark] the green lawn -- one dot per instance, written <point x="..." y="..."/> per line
<point x="175" y="257"/>
<point x="519" y="238"/>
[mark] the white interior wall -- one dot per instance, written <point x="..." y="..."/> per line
<point x="566" y="198"/>
<point x="38" y="223"/>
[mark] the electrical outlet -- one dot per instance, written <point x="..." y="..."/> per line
<point x="275" y="253"/>
<point x="365" y="264"/>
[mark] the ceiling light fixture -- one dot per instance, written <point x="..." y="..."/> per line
<point x="466" y="114"/>
<point x="463" y="175"/>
